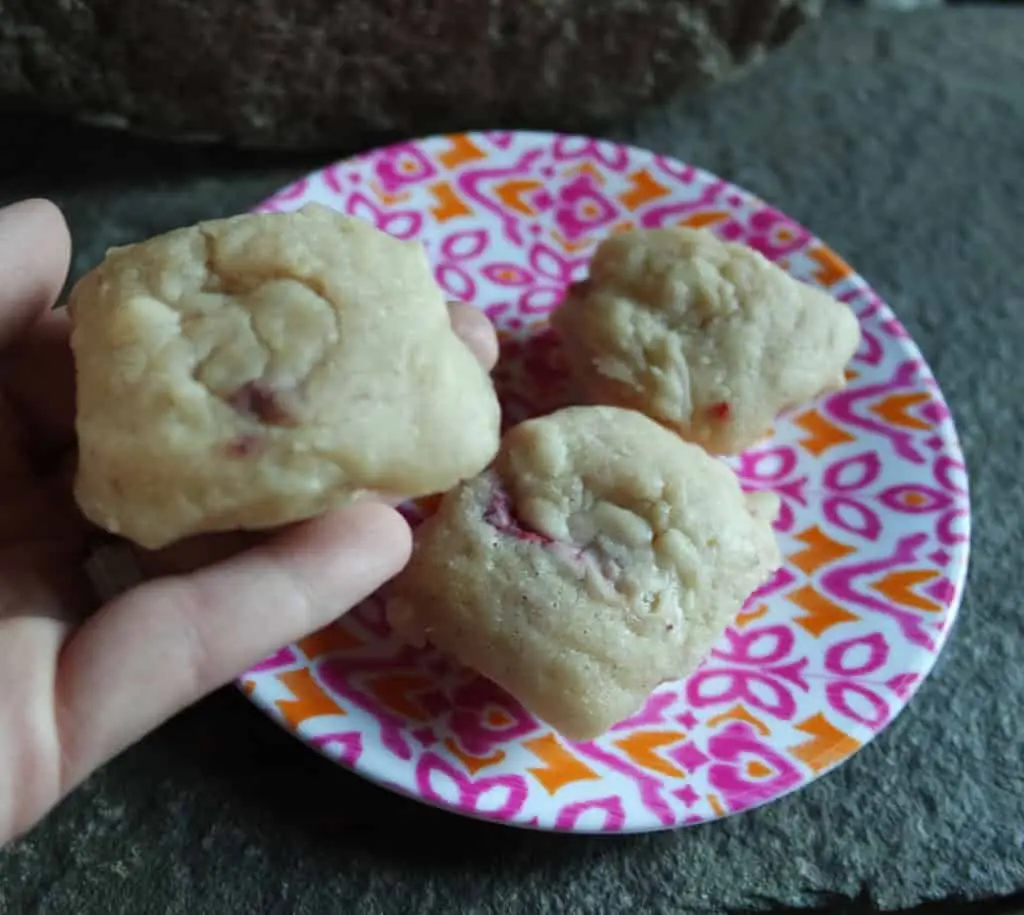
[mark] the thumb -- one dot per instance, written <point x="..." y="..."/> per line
<point x="163" y="645"/>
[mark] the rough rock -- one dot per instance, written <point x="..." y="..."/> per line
<point x="304" y="73"/>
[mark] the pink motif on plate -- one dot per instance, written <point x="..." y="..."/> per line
<point x="875" y="525"/>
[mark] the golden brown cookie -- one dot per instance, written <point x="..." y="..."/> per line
<point x="600" y="556"/>
<point x="708" y="337"/>
<point x="249" y="372"/>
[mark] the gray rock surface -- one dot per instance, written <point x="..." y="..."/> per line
<point x="282" y="73"/>
<point x="901" y="4"/>
<point x="897" y="137"/>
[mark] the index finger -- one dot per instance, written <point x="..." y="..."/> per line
<point x="163" y="645"/>
<point x="35" y="250"/>
<point x="39" y="378"/>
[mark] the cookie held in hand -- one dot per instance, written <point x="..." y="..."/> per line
<point x="249" y="372"/>
<point x="708" y="337"/>
<point x="600" y="556"/>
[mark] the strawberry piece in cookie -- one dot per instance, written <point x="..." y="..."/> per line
<point x="245" y="445"/>
<point x="720" y="411"/>
<point x="265" y="404"/>
<point x="499" y="515"/>
<point x="585" y="559"/>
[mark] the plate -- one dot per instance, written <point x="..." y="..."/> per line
<point x="874" y="526"/>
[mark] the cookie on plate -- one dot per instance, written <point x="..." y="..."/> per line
<point x="600" y="556"/>
<point x="249" y="372"/>
<point x="708" y="337"/>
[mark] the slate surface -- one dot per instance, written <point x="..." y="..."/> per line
<point x="305" y="75"/>
<point x="897" y="137"/>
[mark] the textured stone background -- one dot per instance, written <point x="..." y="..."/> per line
<point x="896" y="136"/>
<point x="300" y="74"/>
<point x="899" y="4"/>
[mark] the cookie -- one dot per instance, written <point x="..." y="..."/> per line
<point x="249" y="372"/>
<point x="707" y="337"/>
<point x="599" y="556"/>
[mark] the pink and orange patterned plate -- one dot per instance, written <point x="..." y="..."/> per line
<point x="874" y="527"/>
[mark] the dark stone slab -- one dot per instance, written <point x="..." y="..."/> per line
<point x="301" y="74"/>
<point x="897" y="137"/>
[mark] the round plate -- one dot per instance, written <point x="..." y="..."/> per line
<point x="874" y="526"/>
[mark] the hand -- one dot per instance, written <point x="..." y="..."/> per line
<point x="78" y="683"/>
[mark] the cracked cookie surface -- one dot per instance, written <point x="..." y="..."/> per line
<point x="708" y="337"/>
<point x="253" y="371"/>
<point x="599" y="556"/>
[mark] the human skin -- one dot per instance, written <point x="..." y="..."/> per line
<point x="80" y="681"/>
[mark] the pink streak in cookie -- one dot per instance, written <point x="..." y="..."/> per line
<point x="243" y="446"/>
<point x="265" y="404"/>
<point x="720" y="410"/>
<point x="499" y="515"/>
